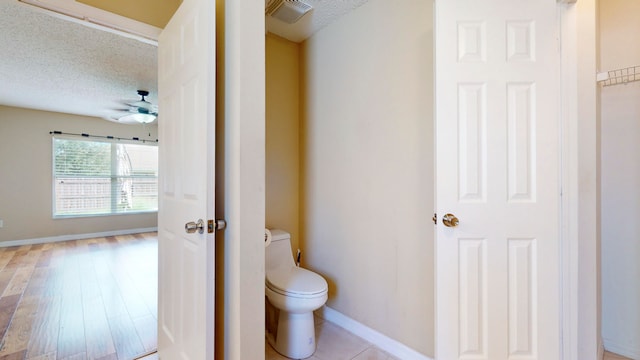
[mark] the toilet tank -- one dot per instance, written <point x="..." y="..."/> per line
<point x="278" y="254"/>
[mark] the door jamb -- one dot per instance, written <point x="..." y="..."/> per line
<point x="579" y="232"/>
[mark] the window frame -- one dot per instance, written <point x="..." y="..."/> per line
<point x="113" y="177"/>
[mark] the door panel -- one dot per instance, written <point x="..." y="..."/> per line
<point x="186" y="54"/>
<point x="497" y="144"/>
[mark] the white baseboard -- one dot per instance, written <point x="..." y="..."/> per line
<point x="630" y="352"/>
<point x="50" y="239"/>
<point x="384" y="342"/>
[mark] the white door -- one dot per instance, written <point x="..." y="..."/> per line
<point x="497" y="134"/>
<point x="186" y="65"/>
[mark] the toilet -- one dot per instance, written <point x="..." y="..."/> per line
<point x="295" y="293"/>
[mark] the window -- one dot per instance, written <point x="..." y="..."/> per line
<point x="103" y="177"/>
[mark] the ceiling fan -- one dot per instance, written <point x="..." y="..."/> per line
<point x="138" y="112"/>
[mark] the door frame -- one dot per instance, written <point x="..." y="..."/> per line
<point x="245" y="135"/>
<point x="579" y="224"/>
<point x="244" y="206"/>
<point x="580" y="234"/>
<point x="240" y="195"/>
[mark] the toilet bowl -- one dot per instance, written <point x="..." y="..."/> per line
<point x="295" y="292"/>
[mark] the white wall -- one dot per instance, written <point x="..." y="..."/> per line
<point x="620" y="176"/>
<point x="26" y="175"/>
<point x="367" y="147"/>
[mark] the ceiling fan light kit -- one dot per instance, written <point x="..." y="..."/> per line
<point x="139" y="117"/>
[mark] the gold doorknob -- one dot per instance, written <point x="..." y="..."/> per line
<point x="450" y="220"/>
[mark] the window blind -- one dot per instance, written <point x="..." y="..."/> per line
<point x="103" y="177"/>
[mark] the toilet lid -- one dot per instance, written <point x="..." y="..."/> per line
<point x="295" y="280"/>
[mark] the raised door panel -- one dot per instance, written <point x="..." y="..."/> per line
<point x="497" y="148"/>
<point x="186" y="133"/>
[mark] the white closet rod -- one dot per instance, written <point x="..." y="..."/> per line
<point x="619" y="76"/>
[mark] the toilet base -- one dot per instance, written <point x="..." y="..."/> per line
<point x="296" y="336"/>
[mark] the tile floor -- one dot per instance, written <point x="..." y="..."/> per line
<point x="612" y="356"/>
<point x="335" y="343"/>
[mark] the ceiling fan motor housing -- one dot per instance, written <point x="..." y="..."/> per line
<point x="143" y="93"/>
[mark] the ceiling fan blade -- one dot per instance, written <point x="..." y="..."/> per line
<point x="109" y="118"/>
<point x="141" y="104"/>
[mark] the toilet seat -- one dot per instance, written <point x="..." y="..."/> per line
<point x="296" y="282"/>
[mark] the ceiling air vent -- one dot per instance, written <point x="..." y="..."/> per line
<point x="288" y="11"/>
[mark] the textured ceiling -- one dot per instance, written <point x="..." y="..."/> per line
<point x="49" y="63"/>
<point x="324" y="12"/>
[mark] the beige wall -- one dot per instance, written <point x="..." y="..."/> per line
<point x="282" y="138"/>
<point x="156" y="13"/>
<point x="368" y="178"/>
<point x="25" y="174"/>
<point x="620" y="180"/>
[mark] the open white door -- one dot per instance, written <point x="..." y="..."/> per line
<point x="186" y="55"/>
<point x="497" y="134"/>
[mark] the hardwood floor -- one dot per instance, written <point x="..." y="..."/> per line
<point x="79" y="299"/>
